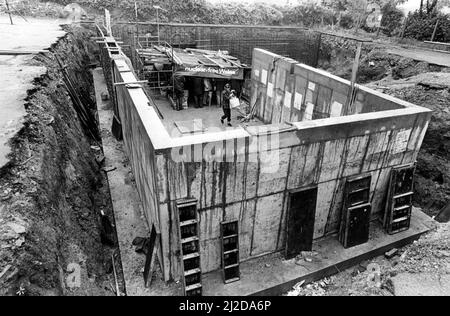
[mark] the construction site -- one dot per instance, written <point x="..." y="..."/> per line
<point x="190" y="159"/>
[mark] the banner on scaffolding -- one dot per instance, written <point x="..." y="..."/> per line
<point x="210" y="72"/>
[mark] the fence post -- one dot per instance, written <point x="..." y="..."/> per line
<point x="9" y="12"/>
<point x="319" y="44"/>
<point x="435" y="30"/>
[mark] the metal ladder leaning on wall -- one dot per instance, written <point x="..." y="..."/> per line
<point x="190" y="247"/>
<point x="230" y="251"/>
<point x="397" y="217"/>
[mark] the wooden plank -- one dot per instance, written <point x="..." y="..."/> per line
<point x="332" y="159"/>
<point x="267" y="221"/>
<point x="161" y="175"/>
<point x="357" y="149"/>
<point x="274" y="171"/>
<point x="152" y="251"/>
<point x="176" y="177"/>
<point x="326" y="192"/>
<point x="168" y="242"/>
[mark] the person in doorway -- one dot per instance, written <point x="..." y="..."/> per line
<point x="208" y="92"/>
<point x="219" y="87"/>
<point x="227" y="95"/>
<point x="198" y="91"/>
<point x="179" y="82"/>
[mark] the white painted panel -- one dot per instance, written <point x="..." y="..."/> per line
<point x="401" y="141"/>
<point x="264" y="76"/>
<point x="270" y="90"/>
<point x="298" y="101"/>
<point x="287" y="100"/>
<point x="336" y="109"/>
<point x="309" y="112"/>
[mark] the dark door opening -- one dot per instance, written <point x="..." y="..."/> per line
<point x="300" y="222"/>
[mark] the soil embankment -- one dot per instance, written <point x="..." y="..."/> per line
<point x="53" y="191"/>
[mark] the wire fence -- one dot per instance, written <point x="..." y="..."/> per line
<point x="297" y="43"/>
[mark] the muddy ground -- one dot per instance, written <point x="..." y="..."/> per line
<point x="53" y="190"/>
<point x="428" y="258"/>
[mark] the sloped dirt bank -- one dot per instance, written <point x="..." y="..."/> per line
<point x="415" y="81"/>
<point x="430" y="90"/>
<point x="337" y="56"/>
<point x="53" y="191"/>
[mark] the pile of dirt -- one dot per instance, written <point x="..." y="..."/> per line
<point x="430" y="90"/>
<point x="337" y="56"/>
<point x="53" y="191"/>
<point x="429" y="256"/>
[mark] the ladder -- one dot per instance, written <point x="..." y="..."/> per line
<point x="230" y="251"/>
<point x="190" y="248"/>
<point x="355" y="222"/>
<point x="397" y="217"/>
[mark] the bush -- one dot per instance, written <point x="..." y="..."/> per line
<point x="392" y="19"/>
<point x="421" y="27"/>
<point x="309" y="15"/>
<point x="347" y="21"/>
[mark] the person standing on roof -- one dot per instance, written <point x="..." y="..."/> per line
<point x="227" y="95"/>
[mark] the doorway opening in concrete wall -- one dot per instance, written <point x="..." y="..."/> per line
<point x="300" y="225"/>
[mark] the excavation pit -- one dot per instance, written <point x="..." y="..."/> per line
<point x="330" y="162"/>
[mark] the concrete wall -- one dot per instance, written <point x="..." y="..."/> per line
<point x="247" y="174"/>
<point x="285" y="91"/>
<point x="252" y="186"/>
<point x="134" y="108"/>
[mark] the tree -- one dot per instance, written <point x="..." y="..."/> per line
<point x="392" y="19"/>
<point x="428" y="8"/>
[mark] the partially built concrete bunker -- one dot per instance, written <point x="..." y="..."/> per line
<point x="328" y="160"/>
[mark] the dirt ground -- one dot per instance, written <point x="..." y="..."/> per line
<point x="430" y="256"/>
